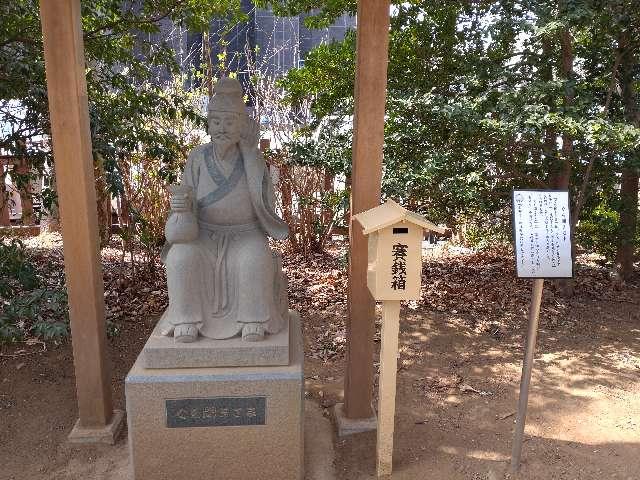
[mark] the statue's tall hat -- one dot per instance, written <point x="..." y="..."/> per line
<point x="227" y="97"/>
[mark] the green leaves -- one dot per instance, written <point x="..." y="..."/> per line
<point x="26" y="309"/>
<point x="327" y="76"/>
<point x="327" y="148"/>
<point x="324" y="12"/>
<point x="42" y="313"/>
<point x="131" y="105"/>
<point x="477" y="101"/>
<point x="16" y="272"/>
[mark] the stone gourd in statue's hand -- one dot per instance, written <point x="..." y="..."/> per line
<point x="182" y="225"/>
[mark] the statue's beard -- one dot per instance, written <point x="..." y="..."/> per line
<point x="223" y="142"/>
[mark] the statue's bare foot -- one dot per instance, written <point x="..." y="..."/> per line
<point x="185" y="333"/>
<point x="252" y="332"/>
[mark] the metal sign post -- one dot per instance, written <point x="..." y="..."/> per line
<point x="534" y="314"/>
<point x="542" y="240"/>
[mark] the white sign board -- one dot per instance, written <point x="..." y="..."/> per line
<point x="542" y="234"/>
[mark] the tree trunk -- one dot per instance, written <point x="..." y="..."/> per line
<point x="347" y="212"/>
<point x="26" y="198"/>
<point x="287" y="203"/>
<point x="103" y="202"/>
<point x="5" y="218"/>
<point x="50" y="221"/>
<point x="549" y="146"/>
<point x="561" y="174"/>
<point x="207" y="63"/>
<point x="50" y="218"/>
<point x="327" y="212"/>
<point x="628" y="221"/>
<point x="629" y="182"/>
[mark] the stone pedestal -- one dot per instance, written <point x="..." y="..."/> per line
<point x="227" y="423"/>
<point x="163" y="352"/>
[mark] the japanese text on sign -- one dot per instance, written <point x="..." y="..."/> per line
<point x="215" y="412"/>
<point x="399" y="267"/>
<point x="542" y="234"/>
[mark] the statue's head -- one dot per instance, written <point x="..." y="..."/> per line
<point x="227" y="114"/>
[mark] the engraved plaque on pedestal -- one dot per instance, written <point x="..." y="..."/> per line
<point x="215" y="412"/>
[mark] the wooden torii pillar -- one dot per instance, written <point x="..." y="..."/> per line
<point x="368" y="137"/>
<point x="69" y="115"/>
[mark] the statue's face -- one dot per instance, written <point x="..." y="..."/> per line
<point x="225" y="128"/>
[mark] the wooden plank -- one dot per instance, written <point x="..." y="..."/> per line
<point x="387" y="386"/>
<point x="68" y="107"/>
<point x="368" y="137"/>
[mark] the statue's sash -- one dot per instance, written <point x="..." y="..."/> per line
<point x="224" y="184"/>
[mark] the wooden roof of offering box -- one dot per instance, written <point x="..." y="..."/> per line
<point x="390" y="213"/>
<point x="394" y="250"/>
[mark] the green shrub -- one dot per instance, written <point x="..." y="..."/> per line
<point x="479" y="235"/>
<point x="599" y="231"/>
<point x="16" y="272"/>
<point x="27" y="310"/>
<point x="599" y="228"/>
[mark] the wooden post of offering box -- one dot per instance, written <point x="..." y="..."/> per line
<point x="393" y="274"/>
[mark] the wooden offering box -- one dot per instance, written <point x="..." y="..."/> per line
<point x="395" y="250"/>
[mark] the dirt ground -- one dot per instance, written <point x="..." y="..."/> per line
<point x="458" y="379"/>
<point x="457" y="399"/>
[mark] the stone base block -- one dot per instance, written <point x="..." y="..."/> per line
<point x="349" y="426"/>
<point x="107" y="434"/>
<point x="218" y="423"/>
<point x="163" y="352"/>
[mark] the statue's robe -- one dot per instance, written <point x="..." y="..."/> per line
<point x="228" y="276"/>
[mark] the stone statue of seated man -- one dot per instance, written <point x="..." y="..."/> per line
<point x="223" y="279"/>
